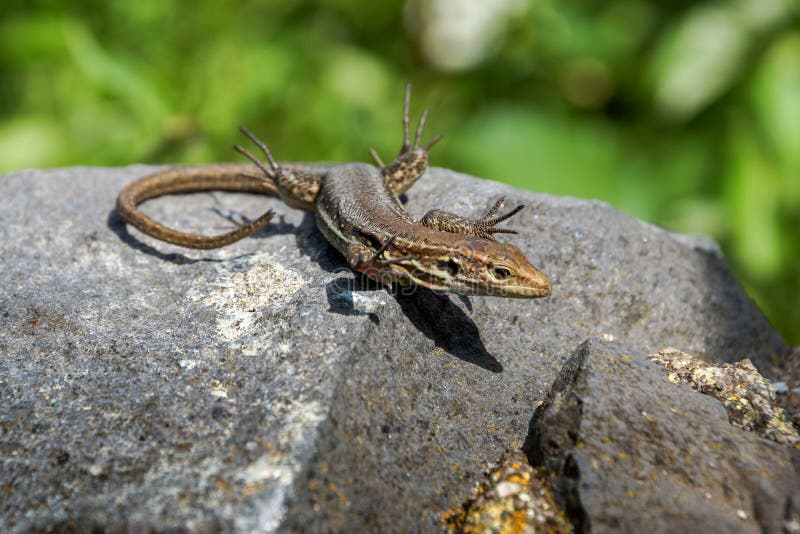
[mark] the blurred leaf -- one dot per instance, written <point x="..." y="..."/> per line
<point x="699" y="59"/>
<point x="29" y="38"/>
<point x="29" y="142"/>
<point x="752" y="196"/>
<point x="235" y="81"/>
<point x="693" y="215"/>
<point x="545" y="152"/>
<point x="776" y="97"/>
<point x="114" y="74"/>
<point x="357" y="77"/>
<point x="612" y="31"/>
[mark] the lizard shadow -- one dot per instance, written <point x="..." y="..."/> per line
<point x="439" y="319"/>
<point x="115" y="223"/>
<point x="341" y="295"/>
<point x="311" y="243"/>
<point x="433" y="314"/>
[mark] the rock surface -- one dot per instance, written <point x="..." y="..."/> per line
<point x="789" y="396"/>
<point x="261" y="386"/>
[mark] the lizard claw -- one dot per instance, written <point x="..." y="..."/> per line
<point x="487" y="223"/>
<point x="376" y="158"/>
<point x="411" y="162"/>
<point x="407" y="147"/>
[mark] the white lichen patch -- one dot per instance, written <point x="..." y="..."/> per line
<point x="219" y="390"/>
<point x="242" y="297"/>
<point x="187" y="364"/>
<point x="278" y="466"/>
<point x="368" y="303"/>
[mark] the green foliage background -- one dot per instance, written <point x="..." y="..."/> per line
<point x="686" y="114"/>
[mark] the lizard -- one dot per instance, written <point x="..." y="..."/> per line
<point x="358" y="210"/>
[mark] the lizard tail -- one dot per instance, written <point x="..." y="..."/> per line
<point x="238" y="178"/>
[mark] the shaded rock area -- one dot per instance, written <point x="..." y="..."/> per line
<point x="263" y="386"/>
<point x="788" y="392"/>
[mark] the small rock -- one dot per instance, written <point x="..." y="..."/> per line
<point x="780" y="388"/>
<point x="95" y="470"/>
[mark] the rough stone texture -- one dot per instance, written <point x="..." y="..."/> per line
<point x="263" y="385"/>
<point x="634" y="452"/>
<point x="748" y="398"/>
<point x="789" y="399"/>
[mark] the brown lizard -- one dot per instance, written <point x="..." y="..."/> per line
<point x="358" y="211"/>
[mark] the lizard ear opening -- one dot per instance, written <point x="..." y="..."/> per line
<point x="450" y="266"/>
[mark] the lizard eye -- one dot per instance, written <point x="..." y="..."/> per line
<point x="501" y="273"/>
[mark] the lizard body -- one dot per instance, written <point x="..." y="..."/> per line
<point x="358" y="211"/>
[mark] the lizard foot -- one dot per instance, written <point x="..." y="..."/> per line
<point x="413" y="159"/>
<point x="484" y="227"/>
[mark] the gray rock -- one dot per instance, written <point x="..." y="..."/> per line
<point x="149" y="386"/>
<point x="634" y="452"/>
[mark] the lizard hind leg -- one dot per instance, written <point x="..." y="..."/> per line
<point x="296" y="188"/>
<point x="484" y="227"/>
<point x="411" y="162"/>
<point x="271" y="171"/>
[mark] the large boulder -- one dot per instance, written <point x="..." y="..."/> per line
<point x="265" y="386"/>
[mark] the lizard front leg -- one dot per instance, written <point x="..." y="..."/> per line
<point x="484" y="227"/>
<point x="374" y="265"/>
<point x="411" y="162"/>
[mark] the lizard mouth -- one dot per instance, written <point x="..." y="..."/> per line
<point x="533" y="286"/>
<point x="517" y="291"/>
<point x="542" y="287"/>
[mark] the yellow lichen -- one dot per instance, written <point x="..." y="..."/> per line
<point x="513" y="497"/>
<point x="747" y="396"/>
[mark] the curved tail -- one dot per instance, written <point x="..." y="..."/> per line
<point x="230" y="177"/>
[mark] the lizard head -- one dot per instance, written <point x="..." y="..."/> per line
<point x="476" y="266"/>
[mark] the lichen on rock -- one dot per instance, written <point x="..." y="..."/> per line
<point x="746" y="394"/>
<point x="512" y="497"/>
